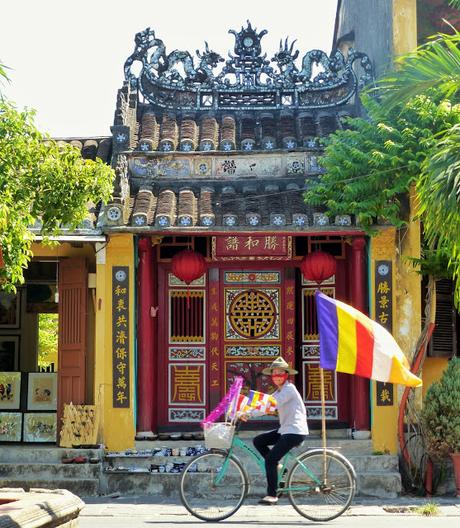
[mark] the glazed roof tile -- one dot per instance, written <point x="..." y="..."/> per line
<point x="252" y="205"/>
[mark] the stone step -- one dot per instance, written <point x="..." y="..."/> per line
<point x="361" y="464"/>
<point x="44" y="454"/>
<point x="381" y="484"/>
<point x="81" y="487"/>
<point x="345" y="446"/>
<point x="50" y="471"/>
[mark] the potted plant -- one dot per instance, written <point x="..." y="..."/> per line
<point x="441" y="418"/>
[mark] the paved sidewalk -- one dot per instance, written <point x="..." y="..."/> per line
<point x="150" y="511"/>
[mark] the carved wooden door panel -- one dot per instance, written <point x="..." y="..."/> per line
<point x="337" y="385"/>
<point x="182" y="354"/>
<point x="73" y="295"/>
<point x="257" y="323"/>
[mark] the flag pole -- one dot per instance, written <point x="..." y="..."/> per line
<point x="323" y="424"/>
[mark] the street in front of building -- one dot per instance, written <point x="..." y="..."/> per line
<point x="137" y="512"/>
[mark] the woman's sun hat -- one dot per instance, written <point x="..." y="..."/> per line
<point x="281" y="364"/>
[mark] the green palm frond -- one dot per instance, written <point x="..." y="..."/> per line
<point x="455" y="3"/>
<point x="3" y="69"/>
<point x="439" y="192"/>
<point x="435" y="65"/>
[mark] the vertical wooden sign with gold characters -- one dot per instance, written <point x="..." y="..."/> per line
<point x="384" y="316"/>
<point x="120" y="336"/>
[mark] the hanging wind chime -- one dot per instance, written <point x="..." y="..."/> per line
<point x="187" y="266"/>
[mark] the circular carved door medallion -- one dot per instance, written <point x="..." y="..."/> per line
<point x="252" y="313"/>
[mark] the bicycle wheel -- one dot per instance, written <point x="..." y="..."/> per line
<point x="318" y="496"/>
<point x="213" y="486"/>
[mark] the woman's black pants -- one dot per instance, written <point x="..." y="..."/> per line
<point x="281" y="445"/>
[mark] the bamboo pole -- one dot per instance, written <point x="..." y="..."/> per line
<point x="323" y="425"/>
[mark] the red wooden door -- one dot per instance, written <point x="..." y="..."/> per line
<point x="73" y="279"/>
<point x="182" y="384"/>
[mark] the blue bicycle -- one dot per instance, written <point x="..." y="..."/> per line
<point x="320" y="483"/>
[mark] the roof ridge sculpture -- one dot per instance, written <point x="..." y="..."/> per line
<point x="247" y="79"/>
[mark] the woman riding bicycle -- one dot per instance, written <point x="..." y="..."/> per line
<point x="293" y="425"/>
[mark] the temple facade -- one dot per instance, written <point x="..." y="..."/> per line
<point x="212" y="157"/>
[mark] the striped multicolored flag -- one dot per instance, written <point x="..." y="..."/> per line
<point x="256" y="400"/>
<point x="351" y="342"/>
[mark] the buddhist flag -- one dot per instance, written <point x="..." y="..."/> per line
<point x="256" y="400"/>
<point x="351" y="342"/>
<point x="261" y="402"/>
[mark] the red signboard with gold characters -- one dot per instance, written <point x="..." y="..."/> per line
<point x="252" y="247"/>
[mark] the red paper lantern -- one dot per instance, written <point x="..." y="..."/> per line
<point x="318" y="266"/>
<point x="188" y="265"/>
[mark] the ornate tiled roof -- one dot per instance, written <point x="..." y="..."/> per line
<point x="248" y="131"/>
<point x="91" y="148"/>
<point x="179" y="102"/>
<point x="238" y="206"/>
<point x="200" y="143"/>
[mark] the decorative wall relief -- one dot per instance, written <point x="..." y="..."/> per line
<point x="246" y="78"/>
<point x="252" y="277"/>
<point x="252" y="313"/>
<point x="186" y="415"/>
<point x="187" y="384"/>
<point x="154" y="168"/>
<point x="190" y="353"/>
<point x="257" y="166"/>
<point x="261" y="351"/>
<point x="251" y="372"/>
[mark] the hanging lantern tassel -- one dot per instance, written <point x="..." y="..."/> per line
<point x="187" y="266"/>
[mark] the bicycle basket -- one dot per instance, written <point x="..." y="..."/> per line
<point x="218" y="435"/>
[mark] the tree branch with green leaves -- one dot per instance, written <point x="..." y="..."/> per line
<point x="411" y="136"/>
<point x="40" y="180"/>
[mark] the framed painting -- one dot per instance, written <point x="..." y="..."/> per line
<point x="10" y="426"/>
<point x="42" y="391"/>
<point x="9" y="353"/>
<point x="40" y="427"/>
<point x="9" y="310"/>
<point x="10" y="390"/>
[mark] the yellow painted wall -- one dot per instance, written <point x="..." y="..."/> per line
<point x="63" y="250"/>
<point x="404" y="26"/>
<point x="397" y="245"/>
<point x="384" y="418"/>
<point x="433" y="369"/>
<point x="117" y="425"/>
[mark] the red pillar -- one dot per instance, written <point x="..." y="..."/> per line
<point x="146" y="413"/>
<point x="360" y="386"/>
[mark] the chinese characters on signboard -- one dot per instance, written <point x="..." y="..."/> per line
<point x="384" y="316"/>
<point x="120" y="335"/>
<point x="252" y="247"/>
